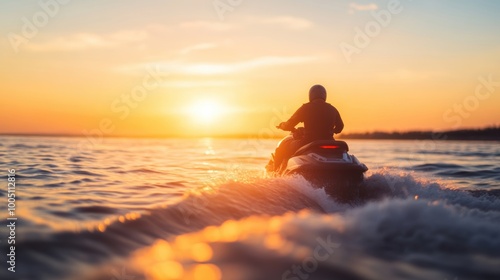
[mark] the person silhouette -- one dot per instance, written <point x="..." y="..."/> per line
<point x="321" y="121"/>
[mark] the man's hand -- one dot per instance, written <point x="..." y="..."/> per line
<point x="284" y="126"/>
<point x="281" y="126"/>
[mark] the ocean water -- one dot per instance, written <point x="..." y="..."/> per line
<point x="204" y="209"/>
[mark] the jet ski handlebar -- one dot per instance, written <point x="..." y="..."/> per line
<point x="283" y="127"/>
<point x="291" y="130"/>
<point x="297" y="133"/>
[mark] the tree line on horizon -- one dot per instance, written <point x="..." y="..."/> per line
<point x="486" y="134"/>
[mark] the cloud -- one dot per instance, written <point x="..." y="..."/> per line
<point x="289" y="22"/>
<point x="210" y="69"/>
<point x="207" y="25"/>
<point x="197" y="47"/>
<point x="353" y="7"/>
<point x="85" y="41"/>
<point x="227" y="68"/>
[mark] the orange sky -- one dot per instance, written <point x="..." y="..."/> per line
<point x="185" y="68"/>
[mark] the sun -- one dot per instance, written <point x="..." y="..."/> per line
<point x="206" y="111"/>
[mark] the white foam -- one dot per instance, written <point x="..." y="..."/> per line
<point x="407" y="186"/>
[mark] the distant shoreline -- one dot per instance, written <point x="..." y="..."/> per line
<point x="485" y="134"/>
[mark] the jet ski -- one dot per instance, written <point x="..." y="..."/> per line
<point x="325" y="163"/>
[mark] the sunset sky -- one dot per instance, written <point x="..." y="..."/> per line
<point x="192" y="67"/>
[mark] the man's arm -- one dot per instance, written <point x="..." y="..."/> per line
<point x="339" y="124"/>
<point x="296" y="118"/>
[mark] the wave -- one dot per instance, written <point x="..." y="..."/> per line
<point x="483" y="174"/>
<point x="142" y="170"/>
<point x="391" y="239"/>
<point x="24" y="146"/>
<point x="403" y="228"/>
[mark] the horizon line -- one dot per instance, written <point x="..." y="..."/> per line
<point x="237" y="136"/>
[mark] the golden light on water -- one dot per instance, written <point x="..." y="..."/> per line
<point x="274" y="241"/>
<point x="183" y="242"/>
<point x="275" y="224"/>
<point x="303" y="214"/>
<point x="230" y="231"/>
<point x="107" y="222"/>
<point x="162" y="251"/>
<point x="165" y="270"/>
<point x="194" y="256"/>
<point x="174" y="260"/>
<point x="206" y="272"/>
<point x="211" y="234"/>
<point x="201" y="252"/>
<point x="101" y="227"/>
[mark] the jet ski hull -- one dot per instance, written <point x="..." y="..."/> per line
<point x="340" y="179"/>
<point x="327" y="165"/>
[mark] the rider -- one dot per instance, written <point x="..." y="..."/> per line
<point x="321" y="120"/>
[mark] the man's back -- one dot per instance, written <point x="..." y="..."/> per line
<point x="321" y="120"/>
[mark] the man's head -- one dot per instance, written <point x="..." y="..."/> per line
<point x="317" y="92"/>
